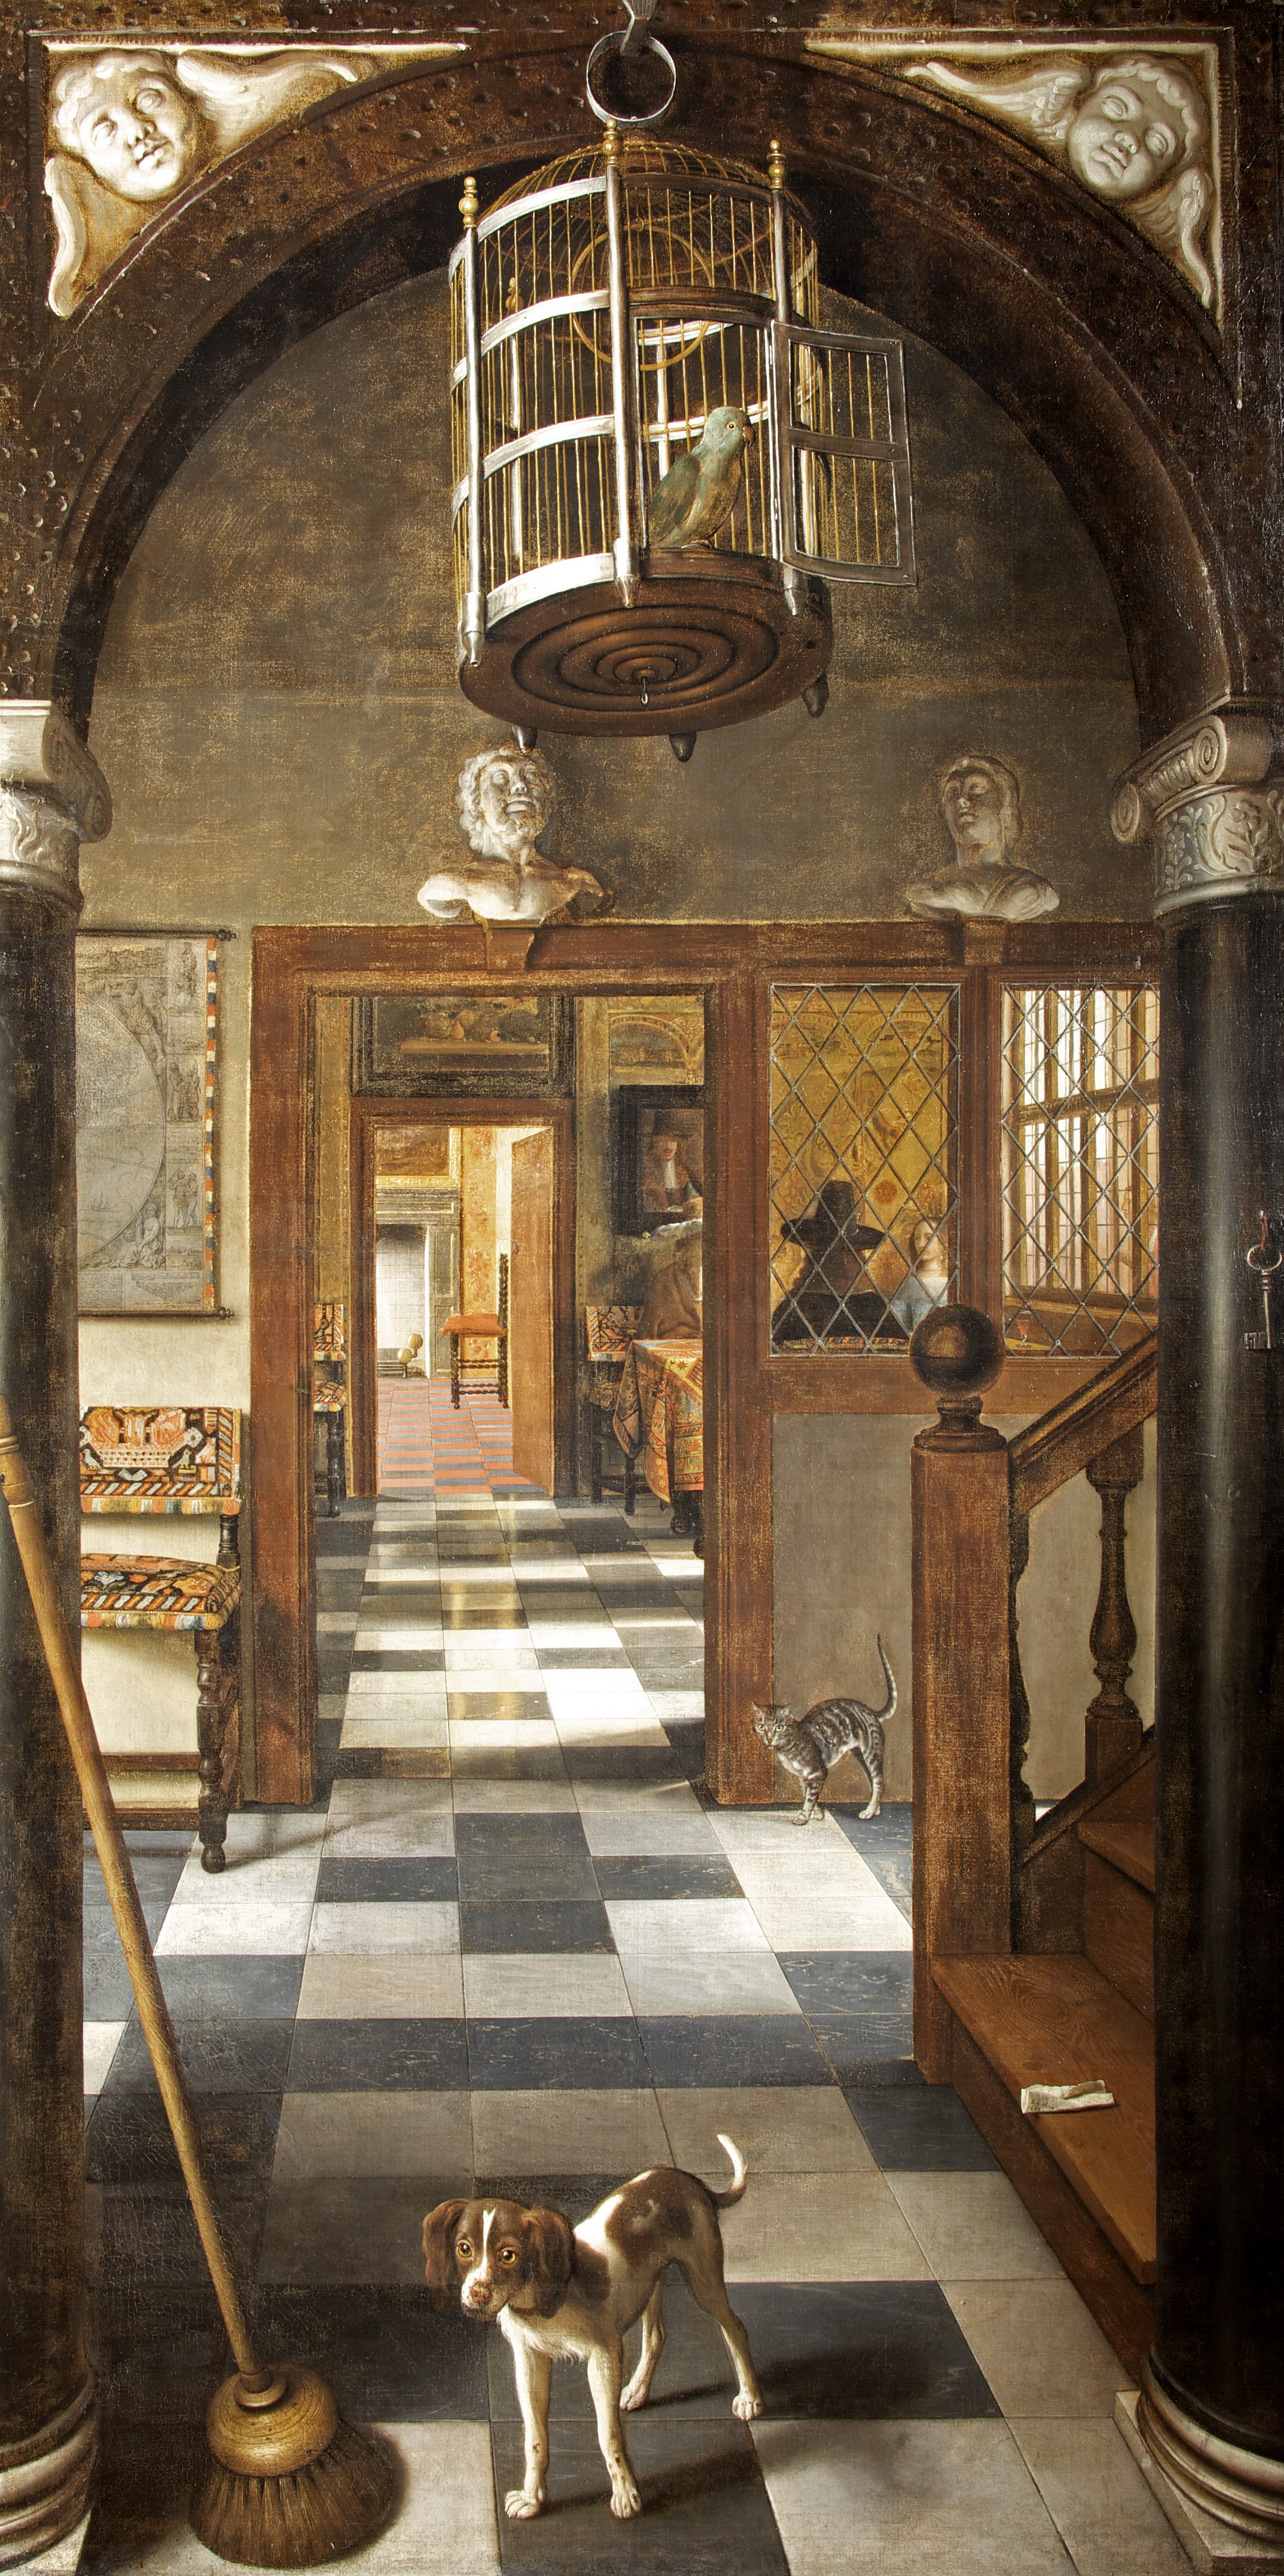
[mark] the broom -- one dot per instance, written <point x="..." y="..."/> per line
<point x="288" y="2484"/>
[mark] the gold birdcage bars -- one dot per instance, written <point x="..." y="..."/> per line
<point x="600" y="315"/>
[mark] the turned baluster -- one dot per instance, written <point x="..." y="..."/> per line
<point x="1022" y="1798"/>
<point x="1112" y="1722"/>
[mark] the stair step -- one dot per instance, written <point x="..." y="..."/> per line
<point x="1130" y="1848"/>
<point x="1119" y="1930"/>
<point x="1057" y="2020"/>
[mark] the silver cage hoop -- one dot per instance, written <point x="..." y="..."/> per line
<point x="635" y="36"/>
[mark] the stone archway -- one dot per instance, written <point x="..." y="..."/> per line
<point x="961" y="234"/>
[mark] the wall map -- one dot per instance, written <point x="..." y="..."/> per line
<point x="146" y="1031"/>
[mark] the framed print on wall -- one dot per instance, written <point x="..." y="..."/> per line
<point x="476" y="1044"/>
<point x="146" y="1064"/>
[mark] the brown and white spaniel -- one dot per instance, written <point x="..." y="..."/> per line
<point x="561" y="2297"/>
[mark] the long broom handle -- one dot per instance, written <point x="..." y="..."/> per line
<point x="95" y="1789"/>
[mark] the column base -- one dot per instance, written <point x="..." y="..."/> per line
<point x="1214" y="2546"/>
<point x="44" y="2485"/>
<point x="64" y="2558"/>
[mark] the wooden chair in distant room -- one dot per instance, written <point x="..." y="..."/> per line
<point x="610" y="1332"/>
<point x="166" y="1460"/>
<point x="488" y="1376"/>
<point x="330" y="1403"/>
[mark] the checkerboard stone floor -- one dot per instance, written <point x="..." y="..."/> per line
<point x="514" y="1945"/>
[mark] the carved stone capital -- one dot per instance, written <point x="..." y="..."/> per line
<point x="53" y="796"/>
<point x="1229" y="843"/>
<point x="1217" y="820"/>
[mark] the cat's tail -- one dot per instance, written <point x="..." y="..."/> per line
<point x="888" y="1709"/>
<point x="739" y="2175"/>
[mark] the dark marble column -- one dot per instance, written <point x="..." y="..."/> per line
<point x="1212" y="2403"/>
<point x="51" y="797"/>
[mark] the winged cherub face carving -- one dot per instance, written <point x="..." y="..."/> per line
<point x="131" y="122"/>
<point x="1125" y="138"/>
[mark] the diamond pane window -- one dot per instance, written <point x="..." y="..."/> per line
<point x="1080" y="1167"/>
<point x="864" y="1124"/>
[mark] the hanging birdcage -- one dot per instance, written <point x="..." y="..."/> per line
<point x="629" y="308"/>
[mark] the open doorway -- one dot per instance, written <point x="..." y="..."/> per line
<point x="308" y="1137"/>
<point x="447" y="1195"/>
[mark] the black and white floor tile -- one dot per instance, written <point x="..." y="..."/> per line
<point x="514" y="1945"/>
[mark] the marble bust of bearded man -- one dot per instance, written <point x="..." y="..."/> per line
<point x="506" y="800"/>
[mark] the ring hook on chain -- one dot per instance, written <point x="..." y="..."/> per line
<point x="1265" y="1259"/>
<point x="634" y="38"/>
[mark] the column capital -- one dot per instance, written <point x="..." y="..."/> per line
<point x="53" y="796"/>
<point x="1217" y="816"/>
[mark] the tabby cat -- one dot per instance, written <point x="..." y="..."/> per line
<point x="809" y="1746"/>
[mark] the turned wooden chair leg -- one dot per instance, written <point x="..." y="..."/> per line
<point x="595" y="1457"/>
<point x="333" y="1463"/>
<point x="217" y="1694"/>
<point x="454" y="1370"/>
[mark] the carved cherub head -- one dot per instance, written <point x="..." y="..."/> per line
<point x="126" y="117"/>
<point x="1134" y="128"/>
<point x="981" y="802"/>
<point x="505" y="799"/>
<point x="130" y="127"/>
<point x="1140" y="123"/>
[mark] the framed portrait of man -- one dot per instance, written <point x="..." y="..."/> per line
<point x="658" y="1152"/>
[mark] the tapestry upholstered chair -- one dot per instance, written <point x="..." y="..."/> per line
<point x="610" y="1331"/>
<point x="490" y="1377"/>
<point x="175" y="1460"/>
<point x="330" y="1401"/>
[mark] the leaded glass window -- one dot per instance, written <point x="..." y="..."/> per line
<point x="1080" y="1167"/>
<point x="864" y="1124"/>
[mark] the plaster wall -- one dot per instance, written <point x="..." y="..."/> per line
<point x="278" y="715"/>
<point x="841" y="1540"/>
<point x="277" y="709"/>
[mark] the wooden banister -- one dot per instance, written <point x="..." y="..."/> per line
<point x="1063" y="1442"/>
<point x="972" y="1495"/>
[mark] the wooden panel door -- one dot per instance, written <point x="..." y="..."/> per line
<point x="530" y="1309"/>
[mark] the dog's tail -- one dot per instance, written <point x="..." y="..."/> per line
<point x="739" y="2175"/>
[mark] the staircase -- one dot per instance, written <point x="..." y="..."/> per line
<point x="1038" y="1936"/>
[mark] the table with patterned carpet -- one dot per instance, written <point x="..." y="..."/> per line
<point x="659" y="1415"/>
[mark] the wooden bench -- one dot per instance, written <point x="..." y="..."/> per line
<point x="175" y="1461"/>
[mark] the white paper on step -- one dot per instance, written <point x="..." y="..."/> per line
<point x="1092" y="2096"/>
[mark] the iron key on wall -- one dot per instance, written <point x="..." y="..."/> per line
<point x="1264" y="1263"/>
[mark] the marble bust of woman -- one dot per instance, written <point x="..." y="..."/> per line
<point x="506" y="800"/>
<point x="981" y="802"/>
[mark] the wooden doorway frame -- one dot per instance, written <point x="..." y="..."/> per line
<point x="367" y="1114"/>
<point x="295" y="967"/>
<point x="734" y="966"/>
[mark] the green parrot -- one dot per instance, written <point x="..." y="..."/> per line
<point x="699" y="491"/>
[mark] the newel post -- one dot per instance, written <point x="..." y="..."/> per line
<point x="962" y="1704"/>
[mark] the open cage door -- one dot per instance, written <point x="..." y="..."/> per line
<point x="846" y="510"/>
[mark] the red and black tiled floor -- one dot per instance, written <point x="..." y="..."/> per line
<point x="513" y="1944"/>
<point x="428" y="1445"/>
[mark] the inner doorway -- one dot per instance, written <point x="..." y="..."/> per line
<point x="442" y="1191"/>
